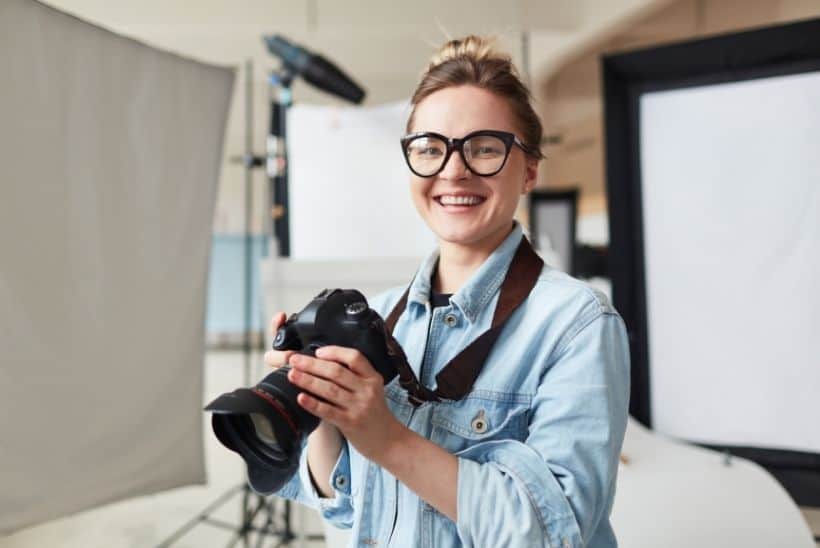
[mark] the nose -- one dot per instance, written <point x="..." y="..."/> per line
<point x="455" y="168"/>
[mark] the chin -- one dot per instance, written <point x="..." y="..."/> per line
<point x="468" y="230"/>
<point x="457" y="232"/>
<point x="465" y="236"/>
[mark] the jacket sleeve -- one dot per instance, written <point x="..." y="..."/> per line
<point x="338" y="510"/>
<point x="554" y="488"/>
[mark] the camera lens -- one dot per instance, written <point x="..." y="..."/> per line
<point x="264" y="429"/>
<point x="266" y="426"/>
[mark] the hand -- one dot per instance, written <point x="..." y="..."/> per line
<point x="325" y="442"/>
<point x="277" y="358"/>
<point x="353" y="394"/>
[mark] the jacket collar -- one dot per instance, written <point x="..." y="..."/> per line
<point x="480" y="288"/>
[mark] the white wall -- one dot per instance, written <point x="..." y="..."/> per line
<point x="384" y="45"/>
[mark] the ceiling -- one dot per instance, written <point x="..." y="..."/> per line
<point x="382" y="44"/>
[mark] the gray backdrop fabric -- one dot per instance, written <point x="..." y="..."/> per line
<point x="109" y="161"/>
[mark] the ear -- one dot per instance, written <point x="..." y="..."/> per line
<point x="531" y="174"/>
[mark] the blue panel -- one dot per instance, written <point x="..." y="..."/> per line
<point x="226" y="283"/>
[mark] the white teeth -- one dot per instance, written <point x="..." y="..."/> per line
<point x="459" y="200"/>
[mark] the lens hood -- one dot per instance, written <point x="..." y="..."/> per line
<point x="268" y="468"/>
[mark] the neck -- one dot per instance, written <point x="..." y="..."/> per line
<point x="457" y="262"/>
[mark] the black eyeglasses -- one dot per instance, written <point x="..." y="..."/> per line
<point x="484" y="152"/>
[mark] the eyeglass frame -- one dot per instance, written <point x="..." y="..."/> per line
<point x="453" y="143"/>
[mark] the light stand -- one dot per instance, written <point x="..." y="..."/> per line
<point x="276" y="524"/>
<point x="277" y="160"/>
<point x="320" y="72"/>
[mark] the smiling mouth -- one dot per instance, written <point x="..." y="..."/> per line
<point x="452" y="200"/>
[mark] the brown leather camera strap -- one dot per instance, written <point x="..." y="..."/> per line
<point x="459" y="375"/>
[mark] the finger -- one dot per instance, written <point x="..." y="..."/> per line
<point x="276" y="322"/>
<point x="323" y="410"/>
<point x="329" y="370"/>
<point x="277" y="358"/>
<point x="329" y="391"/>
<point x="355" y="360"/>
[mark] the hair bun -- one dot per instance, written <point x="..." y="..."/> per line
<point x="474" y="61"/>
<point x="472" y="47"/>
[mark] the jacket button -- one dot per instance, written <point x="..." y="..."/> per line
<point x="340" y="482"/>
<point x="479" y="423"/>
<point x="450" y="320"/>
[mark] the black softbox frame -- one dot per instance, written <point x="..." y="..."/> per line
<point x="567" y="200"/>
<point x="774" y="51"/>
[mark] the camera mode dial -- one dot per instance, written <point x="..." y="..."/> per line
<point x="356" y="309"/>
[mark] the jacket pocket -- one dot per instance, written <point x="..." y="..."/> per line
<point x="478" y="417"/>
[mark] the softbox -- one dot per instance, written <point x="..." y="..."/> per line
<point x="553" y="216"/>
<point x="109" y="160"/>
<point x="714" y="194"/>
<point x="332" y="190"/>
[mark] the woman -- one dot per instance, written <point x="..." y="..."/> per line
<point x="527" y="453"/>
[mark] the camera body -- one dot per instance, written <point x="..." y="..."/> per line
<point x="264" y="423"/>
<point x="340" y="317"/>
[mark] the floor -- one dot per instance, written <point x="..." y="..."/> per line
<point x="150" y="520"/>
<point x="813" y="518"/>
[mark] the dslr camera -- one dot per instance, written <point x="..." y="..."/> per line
<point x="264" y="423"/>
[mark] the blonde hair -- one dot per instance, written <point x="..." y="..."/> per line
<point x="474" y="61"/>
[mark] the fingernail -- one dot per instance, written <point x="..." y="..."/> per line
<point x="294" y="359"/>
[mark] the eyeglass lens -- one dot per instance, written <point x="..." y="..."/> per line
<point x="484" y="154"/>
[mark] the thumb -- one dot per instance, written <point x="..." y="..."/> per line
<point x="276" y="322"/>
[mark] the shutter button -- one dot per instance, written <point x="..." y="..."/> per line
<point x="450" y="320"/>
<point x="479" y="423"/>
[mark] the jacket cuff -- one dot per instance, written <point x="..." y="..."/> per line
<point x="500" y="477"/>
<point x="338" y="508"/>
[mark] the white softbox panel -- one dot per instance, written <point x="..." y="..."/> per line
<point x="731" y="213"/>
<point x="553" y="216"/>
<point x="109" y="160"/>
<point x="349" y="186"/>
<point x="713" y="186"/>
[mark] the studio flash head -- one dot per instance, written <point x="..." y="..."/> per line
<point x="315" y="69"/>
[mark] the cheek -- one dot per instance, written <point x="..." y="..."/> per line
<point x="508" y="204"/>
<point x="418" y="191"/>
<point x="507" y="200"/>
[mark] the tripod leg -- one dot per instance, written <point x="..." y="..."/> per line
<point x="246" y="517"/>
<point x="288" y="531"/>
<point x="266" y="528"/>
<point x="199" y="518"/>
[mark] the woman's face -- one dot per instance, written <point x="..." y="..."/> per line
<point x="485" y="220"/>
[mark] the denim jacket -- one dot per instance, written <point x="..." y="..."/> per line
<point x="537" y="439"/>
